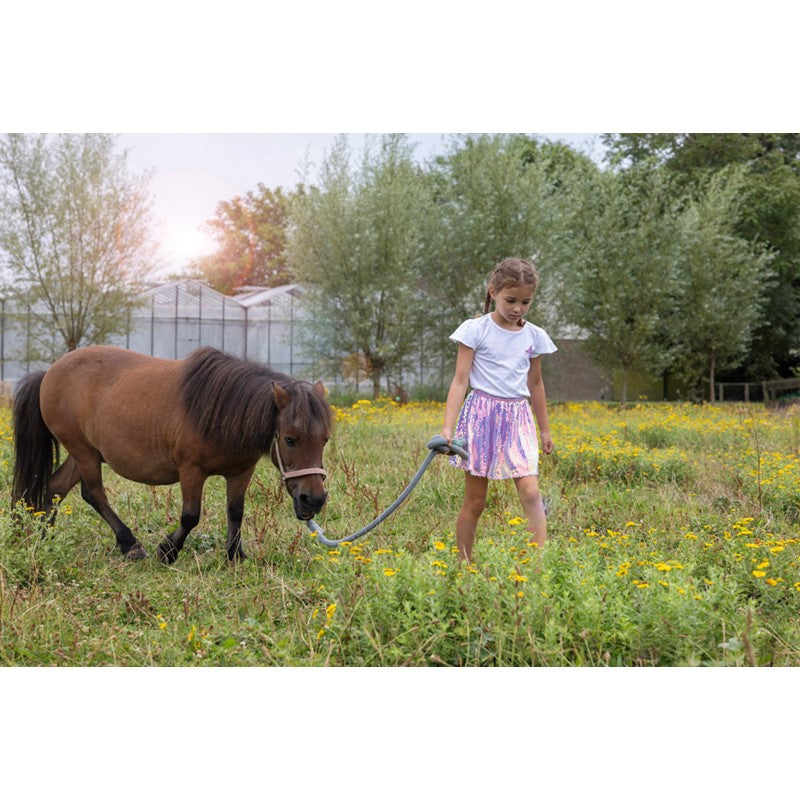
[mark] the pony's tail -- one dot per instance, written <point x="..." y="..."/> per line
<point x="35" y="448"/>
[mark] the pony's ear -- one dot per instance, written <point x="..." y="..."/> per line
<point x="319" y="389"/>
<point x="281" y="396"/>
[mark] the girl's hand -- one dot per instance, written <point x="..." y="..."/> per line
<point x="548" y="445"/>
<point x="448" y="434"/>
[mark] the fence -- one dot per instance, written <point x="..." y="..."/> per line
<point x="785" y="390"/>
<point x="739" y="392"/>
<point x="782" y="391"/>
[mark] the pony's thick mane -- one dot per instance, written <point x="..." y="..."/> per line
<point x="231" y="400"/>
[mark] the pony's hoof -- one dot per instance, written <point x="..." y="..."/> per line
<point x="167" y="552"/>
<point x="136" y="553"/>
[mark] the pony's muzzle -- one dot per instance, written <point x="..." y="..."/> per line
<point x="307" y="504"/>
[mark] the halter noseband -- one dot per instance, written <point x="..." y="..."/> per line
<point x="297" y="472"/>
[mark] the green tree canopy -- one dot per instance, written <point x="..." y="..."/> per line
<point x="251" y="236"/>
<point x="620" y="262"/>
<point x="357" y="241"/>
<point x="723" y="282"/>
<point x="769" y="215"/>
<point x="494" y="199"/>
<point x="74" y="233"/>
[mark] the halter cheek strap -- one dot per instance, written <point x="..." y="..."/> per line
<point x="297" y="472"/>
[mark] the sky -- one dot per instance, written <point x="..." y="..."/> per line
<point x="192" y="172"/>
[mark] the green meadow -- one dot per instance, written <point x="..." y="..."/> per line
<point x="674" y="537"/>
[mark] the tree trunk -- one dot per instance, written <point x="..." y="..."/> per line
<point x="376" y="384"/>
<point x="712" y="360"/>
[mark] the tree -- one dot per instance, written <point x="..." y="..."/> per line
<point x="769" y="214"/>
<point x="74" y="233"/>
<point x="490" y="194"/>
<point x="251" y="237"/>
<point x="723" y="282"/>
<point x="620" y="278"/>
<point x="357" y="241"/>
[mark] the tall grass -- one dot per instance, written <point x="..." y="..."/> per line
<point x="674" y="538"/>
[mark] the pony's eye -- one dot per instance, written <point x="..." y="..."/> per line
<point x="290" y="440"/>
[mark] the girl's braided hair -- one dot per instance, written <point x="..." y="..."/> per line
<point x="511" y="272"/>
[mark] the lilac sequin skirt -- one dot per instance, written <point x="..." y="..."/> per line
<point x="501" y="437"/>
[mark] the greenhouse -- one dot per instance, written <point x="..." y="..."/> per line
<point x="175" y="318"/>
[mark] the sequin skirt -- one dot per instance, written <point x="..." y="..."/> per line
<point x="501" y="437"/>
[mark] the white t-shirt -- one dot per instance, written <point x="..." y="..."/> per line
<point x="502" y="357"/>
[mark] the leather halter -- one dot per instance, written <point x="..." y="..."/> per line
<point x="297" y="472"/>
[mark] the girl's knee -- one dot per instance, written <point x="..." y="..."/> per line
<point x="529" y="492"/>
<point x="474" y="506"/>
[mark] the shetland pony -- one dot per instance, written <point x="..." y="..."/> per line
<point x="160" y="421"/>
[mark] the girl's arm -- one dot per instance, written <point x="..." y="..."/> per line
<point x="539" y="404"/>
<point x="458" y="390"/>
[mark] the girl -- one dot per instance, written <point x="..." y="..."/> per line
<point x="498" y="356"/>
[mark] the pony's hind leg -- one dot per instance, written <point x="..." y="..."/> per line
<point x="94" y="494"/>
<point x="192" y="493"/>
<point x="59" y="485"/>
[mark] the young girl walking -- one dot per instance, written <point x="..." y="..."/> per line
<point x="498" y="357"/>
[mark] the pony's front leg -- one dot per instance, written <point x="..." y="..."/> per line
<point x="192" y="493"/>
<point x="236" y="488"/>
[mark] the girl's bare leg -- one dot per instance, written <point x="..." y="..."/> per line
<point x="532" y="509"/>
<point x="471" y="510"/>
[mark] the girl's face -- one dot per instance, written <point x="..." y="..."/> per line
<point x="512" y="303"/>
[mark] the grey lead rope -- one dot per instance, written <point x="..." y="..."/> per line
<point x="438" y="445"/>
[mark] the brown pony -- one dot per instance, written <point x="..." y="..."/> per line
<point x="158" y="421"/>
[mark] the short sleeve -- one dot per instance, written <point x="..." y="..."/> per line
<point x="467" y="333"/>
<point x="542" y="343"/>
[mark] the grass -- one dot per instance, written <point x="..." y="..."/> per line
<point x="674" y="539"/>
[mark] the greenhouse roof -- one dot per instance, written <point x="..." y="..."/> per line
<point x="249" y="296"/>
<point x="246" y="297"/>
